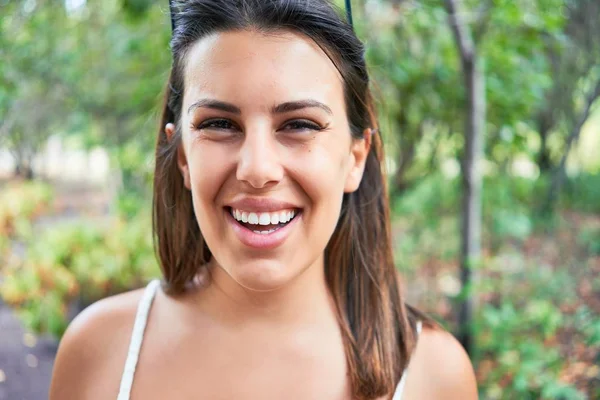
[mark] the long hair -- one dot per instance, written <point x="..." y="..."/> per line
<point x="377" y="326"/>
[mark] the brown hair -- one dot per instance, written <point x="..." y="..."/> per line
<point x="377" y="326"/>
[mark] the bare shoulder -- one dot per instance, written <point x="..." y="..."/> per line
<point x="95" y="343"/>
<point x="440" y="368"/>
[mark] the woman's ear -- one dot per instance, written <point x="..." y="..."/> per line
<point x="358" y="158"/>
<point x="181" y="157"/>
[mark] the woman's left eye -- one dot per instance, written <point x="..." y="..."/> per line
<point x="301" y="125"/>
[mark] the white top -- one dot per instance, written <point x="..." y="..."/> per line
<point x="137" y="337"/>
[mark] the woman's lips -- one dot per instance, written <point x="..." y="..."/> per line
<point x="260" y="240"/>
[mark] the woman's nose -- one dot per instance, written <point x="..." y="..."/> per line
<point x="259" y="161"/>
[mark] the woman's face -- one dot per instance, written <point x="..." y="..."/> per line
<point x="266" y="152"/>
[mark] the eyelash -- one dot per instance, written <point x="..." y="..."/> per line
<point x="299" y="125"/>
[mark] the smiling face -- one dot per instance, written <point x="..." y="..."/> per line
<point x="265" y="140"/>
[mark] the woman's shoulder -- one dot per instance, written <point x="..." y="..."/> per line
<point x="114" y="309"/>
<point x="95" y="343"/>
<point x="440" y="368"/>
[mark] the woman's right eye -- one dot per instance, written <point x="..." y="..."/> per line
<point x="216" y="124"/>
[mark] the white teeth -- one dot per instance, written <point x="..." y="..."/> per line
<point x="265" y="232"/>
<point x="253" y="218"/>
<point x="283" y="217"/>
<point x="264" y="219"/>
<point x="280" y="217"/>
<point x="275" y="218"/>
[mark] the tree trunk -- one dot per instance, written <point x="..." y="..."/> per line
<point x="23" y="163"/>
<point x="405" y="158"/>
<point x="408" y="144"/>
<point x="472" y="186"/>
<point x="23" y="170"/>
<point x="28" y="172"/>
<point x="470" y="251"/>
<point x="543" y="161"/>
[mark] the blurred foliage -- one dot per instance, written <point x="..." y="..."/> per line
<point x="75" y="264"/>
<point x="518" y="335"/>
<point x="413" y="57"/>
<point x="590" y="239"/>
<point x="583" y="192"/>
<point x="537" y="327"/>
<point x="92" y="70"/>
<point x="20" y="203"/>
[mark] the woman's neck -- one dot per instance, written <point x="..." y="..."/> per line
<point x="304" y="301"/>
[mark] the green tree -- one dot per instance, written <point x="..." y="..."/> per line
<point x="32" y="102"/>
<point x="96" y="71"/>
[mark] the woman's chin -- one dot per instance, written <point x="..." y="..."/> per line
<point x="262" y="276"/>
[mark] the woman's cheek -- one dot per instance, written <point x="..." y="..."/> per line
<point x="326" y="164"/>
<point x="319" y="175"/>
<point x="208" y="166"/>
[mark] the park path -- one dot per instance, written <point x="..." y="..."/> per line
<point x="25" y="361"/>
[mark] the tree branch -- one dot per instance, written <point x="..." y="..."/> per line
<point x="483" y="20"/>
<point x="559" y="174"/>
<point x="461" y="32"/>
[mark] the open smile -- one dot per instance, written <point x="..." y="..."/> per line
<point x="262" y="230"/>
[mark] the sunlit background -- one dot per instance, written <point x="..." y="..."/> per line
<point x="80" y="86"/>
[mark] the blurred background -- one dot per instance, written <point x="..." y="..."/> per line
<point x="490" y="113"/>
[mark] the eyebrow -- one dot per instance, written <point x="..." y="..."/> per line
<point x="300" y="104"/>
<point x="215" y="105"/>
<point x="278" y="109"/>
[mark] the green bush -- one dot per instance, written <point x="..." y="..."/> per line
<point x="582" y="193"/>
<point x="41" y="293"/>
<point x="433" y="196"/>
<point x="529" y="281"/>
<point x="20" y="203"/>
<point x="589" y="239"/>
<point x="78" y="263"/>
<point x="438" y="195"/>
<point x="517" y="337"/>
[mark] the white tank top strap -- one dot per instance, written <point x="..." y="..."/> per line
<point x="400" y="387"/>
<point x="137" y="337"/>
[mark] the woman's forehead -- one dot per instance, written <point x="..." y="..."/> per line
<point x="247" y="66"/>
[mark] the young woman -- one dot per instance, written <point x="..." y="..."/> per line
<point x="272" y="230"/>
